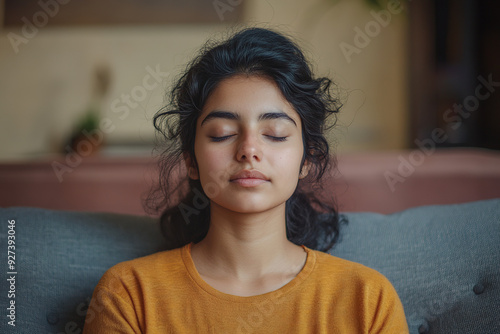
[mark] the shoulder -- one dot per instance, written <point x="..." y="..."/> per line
<point x="355" y="275"/>
<point x="334" y="264"/>
<point x="123" y="292"/>
<point x="351" y="283"/>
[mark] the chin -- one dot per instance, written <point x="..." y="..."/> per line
<point x="249" y="205"/>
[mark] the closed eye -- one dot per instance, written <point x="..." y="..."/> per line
<point x="274" y="138"/>
<point x="219" y="139"/>
<point x="222" y="138"/>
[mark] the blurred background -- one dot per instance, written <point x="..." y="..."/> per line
<point x="81" y="80"/>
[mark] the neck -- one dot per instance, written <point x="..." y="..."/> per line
<point x="246" y="246"/>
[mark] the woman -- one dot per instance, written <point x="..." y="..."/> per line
<point x="247" y="120"/>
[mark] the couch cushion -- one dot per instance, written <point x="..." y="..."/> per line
<point x="444" y="262"/>
<point x="60" y="257"/>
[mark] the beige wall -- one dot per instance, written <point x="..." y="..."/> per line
<point x="46" y="86"/>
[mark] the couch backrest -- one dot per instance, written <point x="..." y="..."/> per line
<point x="442" y="260"/>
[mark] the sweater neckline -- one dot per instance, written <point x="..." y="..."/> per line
<point x="294" y="283"/>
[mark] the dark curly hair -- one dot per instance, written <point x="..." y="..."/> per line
<point x="185" y="212"/>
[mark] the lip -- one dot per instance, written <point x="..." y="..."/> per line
<point x="249" y="178"/>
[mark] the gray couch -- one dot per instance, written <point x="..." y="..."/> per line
<point x="444" y="262"/>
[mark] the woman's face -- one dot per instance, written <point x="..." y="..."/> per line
<point x="248" y="146"/>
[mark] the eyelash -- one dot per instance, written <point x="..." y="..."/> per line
<point x="277" y="138"/>
<point x="219" y="139"/>
<point x="273" y="138"/>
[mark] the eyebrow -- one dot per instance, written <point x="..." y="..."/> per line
<point x="235" y="116"/>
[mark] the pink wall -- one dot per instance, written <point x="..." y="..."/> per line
<point x="117" y="184"/>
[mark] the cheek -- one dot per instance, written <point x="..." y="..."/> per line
<point x="210" y="160"/>
<point x="288" y="161"/>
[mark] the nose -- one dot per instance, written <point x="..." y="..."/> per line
<point x="249" y="149"/>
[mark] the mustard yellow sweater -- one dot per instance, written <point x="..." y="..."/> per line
<point x="163" y="293"/>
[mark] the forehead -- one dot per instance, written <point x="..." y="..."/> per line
<point x="249" y="97"/>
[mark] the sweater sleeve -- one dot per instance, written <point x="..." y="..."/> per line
<point x="388" y="316"/>
<point x="111" y="309"/>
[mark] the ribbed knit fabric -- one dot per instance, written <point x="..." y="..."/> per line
<point x="163" y="293"/>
